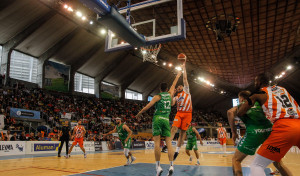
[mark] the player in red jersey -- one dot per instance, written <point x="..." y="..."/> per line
<point x="222" y="136"/>
<point x="78" y="135"/>
<point x="283" y="111"/>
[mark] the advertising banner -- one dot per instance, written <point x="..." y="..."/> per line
<point x="118" y="145"/>
<point x="138" y="144"/>
<point x="33" y="147"/>
<point x="56" y="76"/>
<point x="211" y="143"/>
<point x="12" y="148"/>
<point x="24" y="113"/>
<point x="98" y="146"/>
<point x="104" y="146"/>
<point x="149" y="144"/>
<point x="88" y="146"/>
<point x="1" y="122"/>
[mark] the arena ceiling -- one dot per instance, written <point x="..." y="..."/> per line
<point x="268" y="33"/>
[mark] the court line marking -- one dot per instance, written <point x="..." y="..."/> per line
<point x="14" y="169"/>
<point x="102" y="169"/>
<point x="59" y="170"/>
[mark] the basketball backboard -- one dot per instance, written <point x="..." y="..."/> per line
<point x="157" y="21"/>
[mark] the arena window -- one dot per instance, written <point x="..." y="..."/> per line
<point x="23" y="67"/>
<point x="83" y="83"/>
<point x="129" y="94"/>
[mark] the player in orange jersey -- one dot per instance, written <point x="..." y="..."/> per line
<point x="283" y="111"/>
<point x="183" y="117"/>
<point x="78" y="135"/>
<point x="222" y="136"/>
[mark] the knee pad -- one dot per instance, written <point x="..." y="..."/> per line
<point x="258" y="165"/>
<point x="126" y="151"/>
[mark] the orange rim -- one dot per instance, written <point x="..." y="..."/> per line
<point x="142" y="48"/>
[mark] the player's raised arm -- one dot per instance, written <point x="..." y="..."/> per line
<point x="261" y="98"/>
<point x="155" y="99"/>
<point x="125" y="127"/>
<point x="185" y="81"/>
<point x="172" y="88"/>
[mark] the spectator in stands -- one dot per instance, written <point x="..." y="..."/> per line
<point x="4" y="137"/>
<point x="22" y="136"/>
<point x="31" y="137"/>
<point x="14" y="137"/>
<point x="8" y="134"/>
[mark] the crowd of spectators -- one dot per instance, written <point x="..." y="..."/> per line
<point x="53" y="106"/>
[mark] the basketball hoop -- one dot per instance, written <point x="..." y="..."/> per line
<point x="150" y="52"/>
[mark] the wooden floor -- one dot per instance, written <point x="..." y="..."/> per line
<point x="52" y="165"/>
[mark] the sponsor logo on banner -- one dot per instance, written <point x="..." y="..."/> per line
<point x="149" y="144"/>
<point x="211" y="143"/>
<point x="46" y="147"/>
<point x="138" y="144"/>
<point x="24" y="113"/>
<point x="12" y="148"/>
<point x="98" y="146"/>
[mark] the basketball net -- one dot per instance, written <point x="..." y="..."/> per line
<point x="150" y="52"/>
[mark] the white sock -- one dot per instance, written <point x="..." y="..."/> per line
<point x="177" y="149"/>
<point x="198" y="160"/>
<point x="191" y="157"/>
<point x="157" y="164"/>
<point x="171" y="163"/>
<point x="224" y="148"/>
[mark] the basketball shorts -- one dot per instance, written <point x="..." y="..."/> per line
<point x="127" y="144"/>
<point x="284" y="135"/>
<point x="222" y="141"/>
<point x="161" y="126"/>
<point x="182" y="120"/>
<point x="252" y="140"/>
<point x="79" y="141"/>
<point x="190" y="145"/>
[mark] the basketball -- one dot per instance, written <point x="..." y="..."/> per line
<point x="181" y="57"/>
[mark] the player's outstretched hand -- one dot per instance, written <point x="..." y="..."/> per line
<point x="139" y="115"/>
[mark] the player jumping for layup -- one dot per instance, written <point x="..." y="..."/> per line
<point x="125" y="137"/>
<point x="160" y="123"/>
<point x="78" y="133"/>
<point x="183" y="117"/>
<point x="281" y="109"/>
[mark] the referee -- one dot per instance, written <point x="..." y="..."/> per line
<point x="64" y="137"/>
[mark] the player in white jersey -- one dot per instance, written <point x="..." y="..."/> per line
<point x="283" y="111"/>
<point x="183" y="117"/>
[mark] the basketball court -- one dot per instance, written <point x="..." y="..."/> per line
<point x="111" y="163"/>
<point x="131" y="47"/>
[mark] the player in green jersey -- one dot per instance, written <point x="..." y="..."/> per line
<point x="160" y="122"/>
<point x="258" y="128"/>
<point x="192" y="135"/>
<point x="125" y="137"/>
